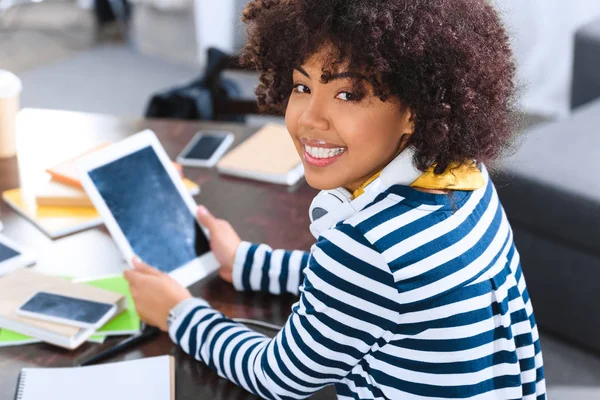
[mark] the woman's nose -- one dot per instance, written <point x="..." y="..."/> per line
<point x="313" y="117"/>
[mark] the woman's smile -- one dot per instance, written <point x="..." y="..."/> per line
<point x="320" y="153"/>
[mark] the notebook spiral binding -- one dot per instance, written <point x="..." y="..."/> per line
<point x="20" y="395"/>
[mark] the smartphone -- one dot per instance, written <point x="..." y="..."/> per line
<point x="205" y="149"/>
<point x="67" y="310"/>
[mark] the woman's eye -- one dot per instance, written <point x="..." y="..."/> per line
<point x="346" y="96"/>
<point x="301" y="88"/>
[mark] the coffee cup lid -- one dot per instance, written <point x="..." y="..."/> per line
<point x="10" y="85"/>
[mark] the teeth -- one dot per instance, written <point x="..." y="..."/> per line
<point x="321" y="152"/>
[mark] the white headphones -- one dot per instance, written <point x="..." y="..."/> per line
<point x="332" y="206"/>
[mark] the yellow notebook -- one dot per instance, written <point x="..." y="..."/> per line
<point x="53" y="221"/>
<point x="269" y="155"/>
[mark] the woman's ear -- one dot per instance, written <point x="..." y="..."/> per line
<point x="408" y="122"/>
<point x="404" y="142"/>
<point x="407" y="128"/>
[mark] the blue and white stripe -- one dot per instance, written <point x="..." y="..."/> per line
<point x="417" y="296"/>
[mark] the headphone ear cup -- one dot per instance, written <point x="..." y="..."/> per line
<point x="317" y="213"/>
<point x="328" y="208"/>
<point x="324" y="203"/>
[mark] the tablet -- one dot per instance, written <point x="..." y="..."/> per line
<point x="67" y="310"/>
<point x="205" y="148"/>
<point x="146" y="207"/>
<point x="13" y="256"/>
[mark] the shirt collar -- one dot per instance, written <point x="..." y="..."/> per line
<point x="458" y="176"/>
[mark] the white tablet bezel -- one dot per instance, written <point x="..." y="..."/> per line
<point x="228" y="138"/>
<point x="187" y="274"/>
<point x="65" y="321"/>
<point x="25" y="258"/>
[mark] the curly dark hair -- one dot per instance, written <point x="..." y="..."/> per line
<point x="449" y="61"/>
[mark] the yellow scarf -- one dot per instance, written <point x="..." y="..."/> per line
<point x="455" y="177"/>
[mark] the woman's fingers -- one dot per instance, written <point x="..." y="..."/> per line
<point x="141" y="266"/>
<point x="206" y="218"/>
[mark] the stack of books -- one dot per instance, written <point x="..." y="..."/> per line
<point x="60" y="206"/>
<point x="16" y="330"/>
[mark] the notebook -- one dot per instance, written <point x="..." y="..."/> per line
<point x="269" y="155"/>
<point x="148" y="379"/>
<point x="11" y="338"/>
<point x="53" y="221"/>
<point x="20" y="285"/>
<point x="57" y="194"/>
<point x="67" y="173"/>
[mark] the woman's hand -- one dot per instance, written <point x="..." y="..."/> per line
<point x="224" y="241"/>
<point x="154" y="293"/>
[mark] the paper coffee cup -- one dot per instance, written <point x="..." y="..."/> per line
<point x="10" y="91"/>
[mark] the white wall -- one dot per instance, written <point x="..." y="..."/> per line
<point x="543" y="33"/>
<point x="215" y="25"/>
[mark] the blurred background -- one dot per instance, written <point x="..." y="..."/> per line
<point x="114" y="57"/>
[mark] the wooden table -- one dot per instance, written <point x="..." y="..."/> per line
<point x="260" y="213"/>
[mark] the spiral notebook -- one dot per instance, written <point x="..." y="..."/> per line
<point x="148" y="379"/>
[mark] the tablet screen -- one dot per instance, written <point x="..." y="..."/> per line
<point x="205" y="147"/>
<point x="7" y="252"/>
<point x="149" y="210"/>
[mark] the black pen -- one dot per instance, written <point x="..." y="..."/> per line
<point x="147" y="333"/>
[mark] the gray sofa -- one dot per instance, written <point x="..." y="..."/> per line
<point x="550" y="189"/>
<point x="586" y="65"/>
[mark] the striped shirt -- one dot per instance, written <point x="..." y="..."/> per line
<point x="418" y="296"/>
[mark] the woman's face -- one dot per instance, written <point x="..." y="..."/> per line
<point x="343" y="137"/>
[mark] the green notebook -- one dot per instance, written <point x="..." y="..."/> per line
<point x="10" y="338"/>
<point x="126" y="323"/>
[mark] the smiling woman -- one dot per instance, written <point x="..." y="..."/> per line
<point x="414" y="288"/>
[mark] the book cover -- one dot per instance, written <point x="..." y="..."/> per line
<point x="269" y="155"/>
